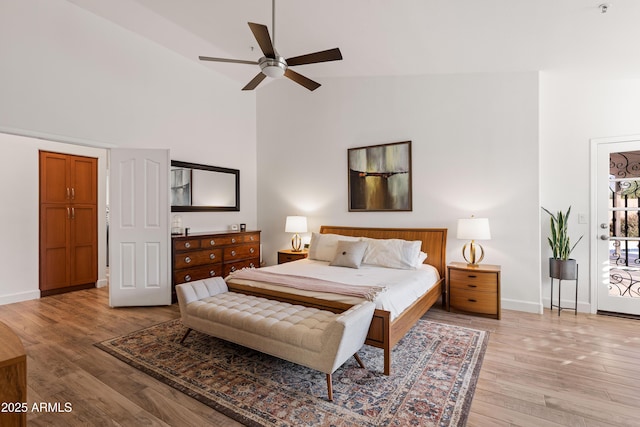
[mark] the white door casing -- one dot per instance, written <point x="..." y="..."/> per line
<point x="139" y="250"/>
<point x="602" y="298"/>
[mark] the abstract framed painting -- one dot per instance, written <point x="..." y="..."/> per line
<point x="380" y="177"/>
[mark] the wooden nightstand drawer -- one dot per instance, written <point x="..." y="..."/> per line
<point x="474" y="302"/>
<point x="287" y="255"/>
<point x="474" y="280"/>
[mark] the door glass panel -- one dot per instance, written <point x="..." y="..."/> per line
<point x="624" y="215"/>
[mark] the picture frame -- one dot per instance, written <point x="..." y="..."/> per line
<point x="380" y="177"/>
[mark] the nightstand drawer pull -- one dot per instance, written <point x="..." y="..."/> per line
<point x="472" y="276"/>
<point x="472" y="286"/>
<point x="472" y="300"/>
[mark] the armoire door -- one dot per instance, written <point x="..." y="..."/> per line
<point x="68" y="222"/>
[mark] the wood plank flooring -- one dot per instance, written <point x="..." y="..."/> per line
<point x="539" y="370"/>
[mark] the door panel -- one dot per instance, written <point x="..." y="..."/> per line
<point x="54" y="251"/>
<point x="54" y="184"/>
<point x="83" y="173"/>
<point x="618" y="239"/>
<point x="139" y="228"/>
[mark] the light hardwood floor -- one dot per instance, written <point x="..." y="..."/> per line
<point x="539" y="370"/>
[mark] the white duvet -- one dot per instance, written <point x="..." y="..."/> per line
<point x="402" y="287"/>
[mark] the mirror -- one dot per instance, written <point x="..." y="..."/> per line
<point x="203" y="188"/>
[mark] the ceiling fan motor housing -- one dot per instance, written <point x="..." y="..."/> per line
<point x="273" y="67"/>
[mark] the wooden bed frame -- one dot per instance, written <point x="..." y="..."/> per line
<point x="383" y="333"/>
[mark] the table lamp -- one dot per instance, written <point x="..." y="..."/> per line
<point x="296" y="224"/>
<point x="473" y="229"/>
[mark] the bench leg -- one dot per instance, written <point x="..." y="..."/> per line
<point x="358" y="360"/>
<point x="329" y="388"/>
<point x="185" y="335"/>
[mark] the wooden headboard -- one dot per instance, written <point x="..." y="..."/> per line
<point x="434" y="240"/>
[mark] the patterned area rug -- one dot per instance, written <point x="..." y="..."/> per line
<point x="434" y="372"/>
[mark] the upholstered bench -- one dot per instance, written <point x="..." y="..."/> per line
<point x="314" y="338"/>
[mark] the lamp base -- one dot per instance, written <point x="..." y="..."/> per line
<point x="296" y="243"/>
<point x="472" y="260"/>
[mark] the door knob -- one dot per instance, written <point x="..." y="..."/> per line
<point x="604" y="237"/>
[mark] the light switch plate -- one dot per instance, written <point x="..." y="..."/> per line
<point x="582" y="218"/>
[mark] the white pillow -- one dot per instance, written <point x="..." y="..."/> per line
<point x="392" y="253"/>
<point x="422" y="256"/>
<point x="323" y="246"/>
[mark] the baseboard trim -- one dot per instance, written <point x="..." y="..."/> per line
<point x="19" y="297"/>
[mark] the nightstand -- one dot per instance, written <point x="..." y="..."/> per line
<point x="288" y="255"/>
<point x="474" y="289"/>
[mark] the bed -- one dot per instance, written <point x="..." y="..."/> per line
<point x="387" y="326"/>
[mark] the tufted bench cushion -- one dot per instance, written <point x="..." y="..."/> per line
<point x="318" y="339"/>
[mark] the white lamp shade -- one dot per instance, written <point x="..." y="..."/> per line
<point x="296" y="224"/>
<point x="474" y="229"/>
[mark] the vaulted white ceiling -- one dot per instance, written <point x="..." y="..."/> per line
<point x="400" y="37"/>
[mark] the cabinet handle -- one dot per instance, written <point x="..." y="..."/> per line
<point x="472" y="276"/>
<point x="68" y="193"/>
<point x="212" y="242"/>
<point x="472" y="300"/>
<point x="252" y="250"/>
<point x="472" y="286"/>
<point x="187" y="278"/>
<point x="212" y="256"/>
<point x="68" y="213"/>
<point x="212" y="273"/>
<point x="73" y="213"/>
<point x="73" y="193"/>
<point x="233" y="240"/>
<point x="187" y="260"/>
<point x="233" y="253"/>
<point x="187" y="245"/>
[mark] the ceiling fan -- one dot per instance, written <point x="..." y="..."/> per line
<point x="274" y="65"/>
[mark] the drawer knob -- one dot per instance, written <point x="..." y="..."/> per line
<point x="252" y="250"/>
<point x="472" y="286"/>
<point x="212" y="273"/>
<point x="233" y="253"/>
<point x="233" y="240"/>
<point x="251" y="238"/>
<point x="212" y="256"/>
<point x="233" y="268"/>
<point x="212" y="242"/>
<point x="187" y="259"/>
<point x="251" y="265"/>
<point x="187" y="245"/>
<point x="187" y="278"/>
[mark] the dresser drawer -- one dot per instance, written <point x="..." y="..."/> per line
<point x="184" y="245"/>
<point x="478" y="281"/>
<point x="197" y="273"/>
<point x="474" y="301"/>
<point x="239" y="252"/>
<point x="190" y="259"/>
<point x="235" y="266"/>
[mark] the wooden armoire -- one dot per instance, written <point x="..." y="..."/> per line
<point x="68" y="222"/>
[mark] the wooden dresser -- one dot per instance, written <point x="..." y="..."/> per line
<point x="202" y="255"/>
<point x="13" y="379"/>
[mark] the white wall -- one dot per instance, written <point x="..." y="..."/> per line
<point x="474" y="147"/>
<point x="69" y="75"/>
<point x="575" y="109"/>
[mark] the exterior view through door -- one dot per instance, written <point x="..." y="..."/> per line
<point x="618" y="212"/>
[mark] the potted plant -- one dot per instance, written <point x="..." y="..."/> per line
<point x="560" y="265"/>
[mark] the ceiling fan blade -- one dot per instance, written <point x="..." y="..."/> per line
<point x="237" y="61"/>
<point x="312" y="58"/>
<point x="254" y="82"/>
<point x="302" y="80"/>
<point x="261" y="33"/>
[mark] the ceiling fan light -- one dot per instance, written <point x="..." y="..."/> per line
<point x="273" y="67"/>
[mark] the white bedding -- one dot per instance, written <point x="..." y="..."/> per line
<point x="403" y="287"/>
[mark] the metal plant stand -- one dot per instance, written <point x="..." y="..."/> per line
<point x="559" y="306"/>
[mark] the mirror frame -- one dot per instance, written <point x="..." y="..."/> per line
<point x="235" y="172"/>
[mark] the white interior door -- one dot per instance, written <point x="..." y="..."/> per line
<point x="618" y="222"/>
<point x="139" y="256"/>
